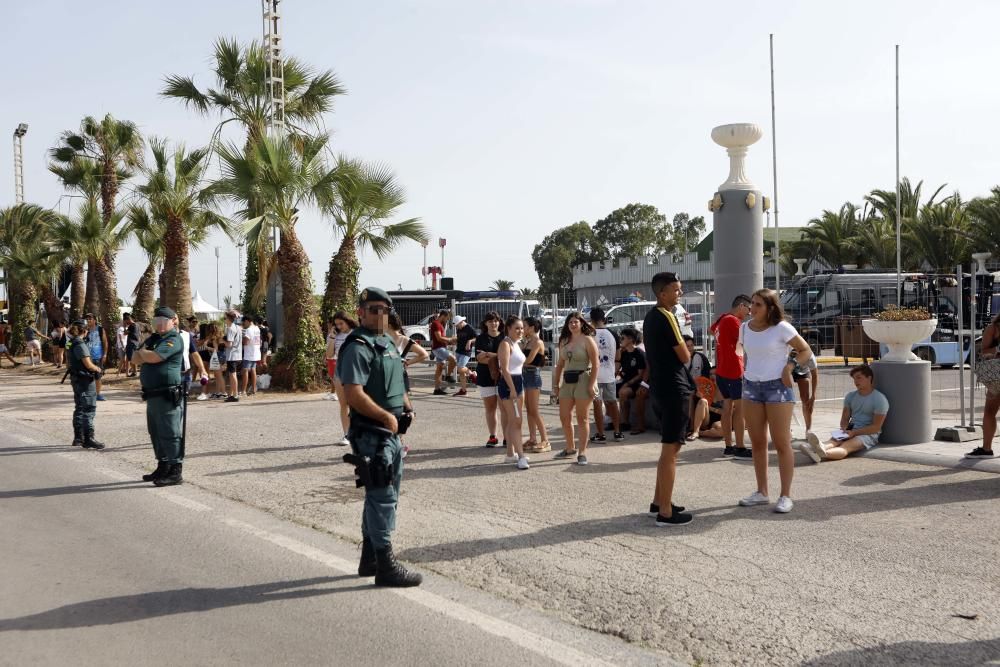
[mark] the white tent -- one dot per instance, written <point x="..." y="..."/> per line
<point x="203" y="309"/>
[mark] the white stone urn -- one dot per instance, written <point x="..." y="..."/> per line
<point x="736" y="138"/>
<point x="899" y="336"/>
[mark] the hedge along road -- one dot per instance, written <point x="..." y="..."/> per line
<point x="874" y="560"/>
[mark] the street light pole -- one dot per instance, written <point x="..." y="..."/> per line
<point x="218" y="293"/>
<point x="19" y="133"/>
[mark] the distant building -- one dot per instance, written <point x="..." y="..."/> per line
<point x="615" y="280"/>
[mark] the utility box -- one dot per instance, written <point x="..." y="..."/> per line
<point x="850" y="340"/>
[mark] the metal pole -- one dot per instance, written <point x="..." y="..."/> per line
<point x="899" y="222"/>
<point x="774" y="170"/>
<point x="961" y="348"/>
<point x="218" y="292"/>
<point x="425" y="265"/>
<point x="973" y="311"/>
<point x="553" y="397"/>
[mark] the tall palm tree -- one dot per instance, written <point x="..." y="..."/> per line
<point x="67" y="238"/>
<point x="366" y="198"/>
<point x="240" y="95"/>
<point x="283" y="176"/>
<point x="884" y="204"/>
<point x="529" y="293"/>
<point x="502" y="285"/>
<point x="148" y="233"/>
<point x="114" y="149"/>
<point x="178" y="196"/>
<point x="835" y="235"/>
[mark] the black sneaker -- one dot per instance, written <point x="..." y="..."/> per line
<point x="980" y="453"/>
<point x="440" y="392"/>
<point x="742" y="454"/>
<point x="232" y="399"/>
<point x="729" y="452"/>
<point x="676" y="519"/>
<point x="599" y="438"/>
<point x="654" y="509"/>
<point x="619" y="437"/>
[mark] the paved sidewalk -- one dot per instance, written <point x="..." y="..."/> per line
<point x="881" y="562"/>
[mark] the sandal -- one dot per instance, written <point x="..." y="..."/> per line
<point x="637" y="431"/>
<point x="542" y="447"/>
<point x="691" y="437"/>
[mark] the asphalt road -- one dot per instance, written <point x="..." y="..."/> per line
<point x="100" y="569"/>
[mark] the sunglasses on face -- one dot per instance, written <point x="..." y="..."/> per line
<point x="379" y="310"/>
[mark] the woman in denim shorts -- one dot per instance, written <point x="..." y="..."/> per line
<point x="534" y="360"/>
<point x="767" y="391"/>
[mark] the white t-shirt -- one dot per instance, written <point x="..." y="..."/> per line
<point x="607" y="347"/>
<point x="766" y="352"/>
<point x="251" y="352"/>
<point x="186" y="342"/>
<point x="234" y="342"/>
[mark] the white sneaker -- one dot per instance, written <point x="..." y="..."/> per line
<point x="329" y="397"/>
<point x="813" y="447"/>
<point x="202" y="397"/>
<point x="522" y="463"/>
<point x="333" y="397"/>
<point x="784" y="505"/>
<point x="755" y="498"/>
<point x="343" y="442"/>
<point x="510" y="459"/>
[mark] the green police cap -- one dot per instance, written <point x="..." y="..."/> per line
<point x="373" y="294"/>
<point x="163" y="311"/>
<point x="82" y="324"/>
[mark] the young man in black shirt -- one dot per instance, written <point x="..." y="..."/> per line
<point x="633" y="386"/>
<point x="670" y="388"/>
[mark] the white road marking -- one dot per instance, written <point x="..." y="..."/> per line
<point x="526" y="639"/>
<point x="184" y="502"/>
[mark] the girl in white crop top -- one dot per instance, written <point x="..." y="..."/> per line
<point x="510" y="358"/>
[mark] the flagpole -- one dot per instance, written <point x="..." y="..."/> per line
<point x="899" y="250"/>
<point x="774" y="169"/>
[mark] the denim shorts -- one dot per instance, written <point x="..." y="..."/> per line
<point x="504" y="391"/>
<point x="869" y="441"/>
<point x="532" y="378"/>
<point x="463" y="360"/>
<point x="767" y="391"/>
<point x="441" y="355"/>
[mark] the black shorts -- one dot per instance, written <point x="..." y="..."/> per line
<point x="233" y="366"/>
<point x="674" y="415"/>
<point x="129" y="351"/>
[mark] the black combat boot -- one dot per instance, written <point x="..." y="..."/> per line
<point x="77" y="436"/>
<point x="161" y="470"/>
<point x="171" y="477"/>
<point x="367" y="567"/>
<point x="89" y="442"/>
<point x="390" y="572"/>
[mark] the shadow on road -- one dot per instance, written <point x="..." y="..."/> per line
<point x="69" y="490"/>
<point x="964" y="654"/>
<point x="128" y="608"/>
<point x="817" y="509"/>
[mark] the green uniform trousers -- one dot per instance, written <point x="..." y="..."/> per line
<point x="163" y="421"/>
<point x="84" y="405"/>
<point x="379" y="517"/>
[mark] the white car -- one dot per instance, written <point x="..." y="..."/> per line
<point x="420" y="331"/>
<point x="631" y="315"/>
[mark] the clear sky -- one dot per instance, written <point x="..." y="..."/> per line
<point x="507" y="119"/>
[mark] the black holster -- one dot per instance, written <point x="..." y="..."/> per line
<point x="371" y="473"/>
<point x="174" y="393"/>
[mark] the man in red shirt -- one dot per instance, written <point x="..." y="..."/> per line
<point x="729" y="376"/>
<point x="440" y="353"/>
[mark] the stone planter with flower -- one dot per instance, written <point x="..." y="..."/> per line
<point x="899" y="329"/>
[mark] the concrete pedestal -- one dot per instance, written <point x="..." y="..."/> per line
<point x="738" y="241"/>
<point x="907" y="385"/>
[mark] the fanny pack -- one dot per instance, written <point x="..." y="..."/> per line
<point x="572" y="377"/>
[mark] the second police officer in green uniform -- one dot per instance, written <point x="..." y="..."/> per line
<point x="83" y="374"/>
<point x="161" y="358"/>
<point x="371" y="370"/>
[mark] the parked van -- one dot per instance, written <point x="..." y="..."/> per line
<point x="475" y="310"/>
<point x="814" y="303"/>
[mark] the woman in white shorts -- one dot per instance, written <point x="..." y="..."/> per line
<point x="767" y="391"/>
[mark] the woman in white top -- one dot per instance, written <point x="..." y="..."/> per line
<point x="510" y="358"/>
<point x="342" y="327"/>
<point x="768" y="400"/>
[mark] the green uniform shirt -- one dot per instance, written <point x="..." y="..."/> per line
<point x="78" y="351"/>
<point x="378" y="368"/>
<point x="167" y="373"/>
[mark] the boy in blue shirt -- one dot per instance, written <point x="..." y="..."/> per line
<point x="861" y="421"/>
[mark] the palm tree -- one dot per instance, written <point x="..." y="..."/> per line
<point x="984" y="228"/>
<point x="148" y="232"/>
<point x="67" y="239"/>
<point x="501" y="285"/>
<point x="283" y="175"/>
<point x="111" y="149"/>
<point x="241" y="95"/>
<point x="366" y="197"/>
<point x="939" y="234"/>
<point x="834" y="235"/>
<point x="884" y="204"/>
<point x="528" y="293"/>
<point x="178" y="197"/>
<point x="26" y="257"/>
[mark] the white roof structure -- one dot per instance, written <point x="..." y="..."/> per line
<point x="204" y="309"/>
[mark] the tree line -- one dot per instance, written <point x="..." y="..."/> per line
<point x="173" y="200"/>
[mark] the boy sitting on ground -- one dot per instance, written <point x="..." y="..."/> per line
<point x="860" y="423"/>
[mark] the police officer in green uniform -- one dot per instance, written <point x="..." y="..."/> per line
<point x="83" y="375"/>
<point x="371" y="371"/>
<point x="160" y="360"/>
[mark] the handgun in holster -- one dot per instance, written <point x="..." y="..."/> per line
<point x="371" y="473"/>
